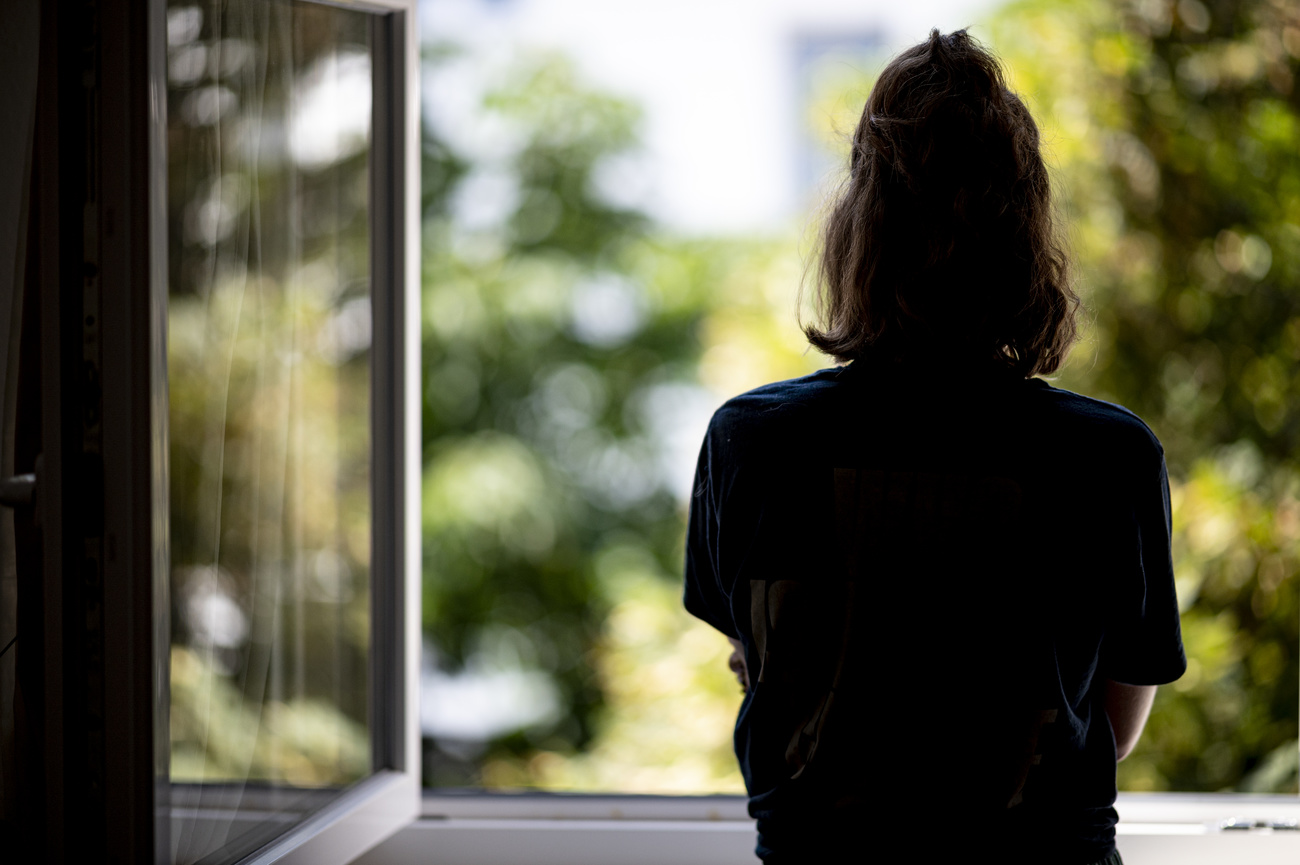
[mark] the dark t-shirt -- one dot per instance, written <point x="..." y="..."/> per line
<point x="933" y="578"/>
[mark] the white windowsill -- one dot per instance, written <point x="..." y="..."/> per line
<point x="583" y="806"/>
<point x="1154" y="829"/>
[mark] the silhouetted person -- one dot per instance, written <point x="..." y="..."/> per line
<point x="949" y="583"/>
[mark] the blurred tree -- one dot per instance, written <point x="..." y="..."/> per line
<point x="1176" y="131"/>
<point x="268" y="375"/>
<point x="559" y="338"/>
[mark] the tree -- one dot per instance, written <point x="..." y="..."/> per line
<point x="1176" y="134"/>
<point x="558" y="338"/>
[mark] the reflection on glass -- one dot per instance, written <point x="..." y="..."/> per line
<point x="269" y="370"/>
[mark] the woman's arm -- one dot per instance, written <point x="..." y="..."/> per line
<point x="1127" y="707"/>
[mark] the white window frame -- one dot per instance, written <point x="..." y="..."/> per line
<point x="560" y="829"/>
<point x="388" y="799"/>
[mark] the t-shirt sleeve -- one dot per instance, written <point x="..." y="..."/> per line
<point x="703" y="595"/>
<point x="1144" y="645"/>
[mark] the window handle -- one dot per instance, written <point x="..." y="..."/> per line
<point x="18" y="490"/>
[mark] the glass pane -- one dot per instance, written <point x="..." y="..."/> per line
<point x="269" y="373"/>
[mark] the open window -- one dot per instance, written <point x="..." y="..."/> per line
<point x="132" y="280"/>
<point x="1210" y="383"/>
<point x="216" y="559"/>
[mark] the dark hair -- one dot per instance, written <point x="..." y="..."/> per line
<point x="940" y="244"/>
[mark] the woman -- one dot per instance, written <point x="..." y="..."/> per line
<point x="948" y="582"/>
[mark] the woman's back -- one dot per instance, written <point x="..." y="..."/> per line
<point x="933" y="579"/>
<point x="937" y="565"/>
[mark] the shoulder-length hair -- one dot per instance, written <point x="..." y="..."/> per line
<point x="940" y="245"/>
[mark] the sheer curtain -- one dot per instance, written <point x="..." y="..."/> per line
<point x="269" y="329"/>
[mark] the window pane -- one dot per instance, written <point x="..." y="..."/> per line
<point x="269" y="372"/>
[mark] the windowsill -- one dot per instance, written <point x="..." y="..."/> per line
<point x="476" y="804"/>
<point x="1208" y="810"/>
<point x="575" y="829"/>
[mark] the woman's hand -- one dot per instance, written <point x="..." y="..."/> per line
<point x="737" y="664"/>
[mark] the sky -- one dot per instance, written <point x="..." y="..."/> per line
<point x="718" y="81"/>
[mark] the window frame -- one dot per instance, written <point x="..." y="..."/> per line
<point x="1145" y="815"/>
<point x="388" y="799"/>
<point x="129" y="153"/>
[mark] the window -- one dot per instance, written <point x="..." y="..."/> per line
<point x="86" y="410"/>
<point x="217" y="577"/>
<point x="280" y="433"/>
<point x="516" y="377"/>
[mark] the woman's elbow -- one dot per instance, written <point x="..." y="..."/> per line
<point x="1127" y="708"/>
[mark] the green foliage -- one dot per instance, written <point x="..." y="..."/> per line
<point x="537" y="422"/>
<point x="1174" y="131"/>
<point x="217" y="734"/>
